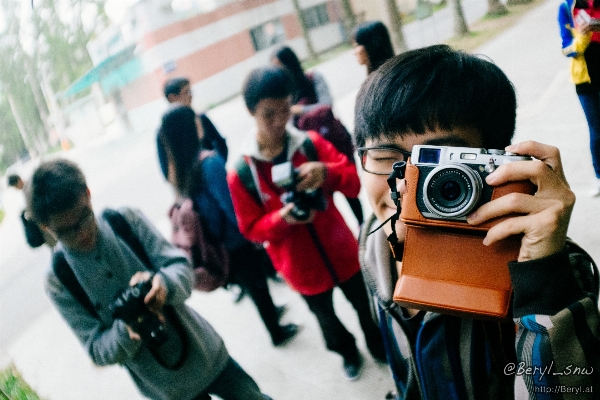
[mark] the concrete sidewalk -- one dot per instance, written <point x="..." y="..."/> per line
<point x="54" y="364"/>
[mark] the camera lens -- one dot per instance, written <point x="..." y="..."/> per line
<point x="452" y="190"/>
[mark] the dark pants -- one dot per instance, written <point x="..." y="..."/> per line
<point x="248" y="272"/>
<point x="337" y="338"/>
<point x="233" y="384"/>
<point x="356" y="209"/>
<point x="591" y="108"/>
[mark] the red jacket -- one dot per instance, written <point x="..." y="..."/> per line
<point x="291" y="247"/>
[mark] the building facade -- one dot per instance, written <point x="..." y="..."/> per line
<point x="214" y="43"/>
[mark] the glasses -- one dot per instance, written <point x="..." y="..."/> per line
<point x="70" y="232"/>
<point x="380" y="160"/>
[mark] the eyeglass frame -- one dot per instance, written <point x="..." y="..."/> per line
<point x="362" y="150"/>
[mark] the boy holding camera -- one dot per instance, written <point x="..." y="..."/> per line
<point x="308" y="239"/>
<point x="441" y="97"/>
<point x="106" y="264"/>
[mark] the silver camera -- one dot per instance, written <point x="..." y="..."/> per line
<point x="451" y="180"/>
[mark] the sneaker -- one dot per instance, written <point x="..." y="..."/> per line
<point x="352" y="369"/>
<point x="286" y="334"/>
<point x="280" y="310"/>
<point x="595" y="190"/>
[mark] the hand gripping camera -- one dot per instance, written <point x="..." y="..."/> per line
<point x="445" y="266"/>
<point x="129" y="306"/>
<point x="286" y="177"/>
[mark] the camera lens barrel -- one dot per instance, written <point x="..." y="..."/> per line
<point x="452" y="190"/>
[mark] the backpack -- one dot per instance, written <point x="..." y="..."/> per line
<point x="209" y="258"/>
<point x="329" y="127"/>
<point x="33" y="233"/>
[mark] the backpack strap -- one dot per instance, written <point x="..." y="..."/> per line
<point x="309" y="150"/>
<point x="245" y="174"/>
<point x="65" y="274"/>
<point x="121" y="227"/>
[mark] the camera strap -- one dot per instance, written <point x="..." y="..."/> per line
<point x="398" y="169"/>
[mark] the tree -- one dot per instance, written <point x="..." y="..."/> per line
<point x="312" y="54"/>
<point x="496" y="8"/>
<point x="46" y="39"/>
<point x="394" y="22"/>
<point x="349" y="21"/>
<point x="460" y="23"/>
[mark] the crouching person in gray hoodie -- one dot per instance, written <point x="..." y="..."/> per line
<point x="121" y="288"/>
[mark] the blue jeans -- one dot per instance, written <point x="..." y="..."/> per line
<point x="233" y="384"/>
<point x="591" y="108"/>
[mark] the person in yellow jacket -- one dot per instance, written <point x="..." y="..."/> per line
<point x="579" y="22"/>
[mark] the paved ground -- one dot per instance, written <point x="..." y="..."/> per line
<point x="52" y="361"/>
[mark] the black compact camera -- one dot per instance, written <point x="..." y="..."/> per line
<point x="129" y="306"/>
<point x="285" y="176"/>
<point x="452" y="179"/>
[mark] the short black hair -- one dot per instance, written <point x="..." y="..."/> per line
<point x="375" y="38"/>
<point x="56" y="186"/>
<point x="13" y="179"/>
<point x="174" y="86"/>
<point x="433" y="88"/>
<point x="270" y="82"/>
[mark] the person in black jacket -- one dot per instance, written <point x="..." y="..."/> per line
<point x="178" y="91"/>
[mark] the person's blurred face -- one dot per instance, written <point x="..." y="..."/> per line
<point x="271" y="117"/>
<point x="76" y="228"/>
<point x="376" y="186"/>
<point x="184" y="97"/>
<point x="361" y="54"/>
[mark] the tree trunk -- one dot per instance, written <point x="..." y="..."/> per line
<point x="309" y="46"/>
<point x="20" y="125"/>
<point x="394" y="21"/>
<point x="460" y="24"/>
<point x="496" y="8"/>
<point x="349" y="21"/>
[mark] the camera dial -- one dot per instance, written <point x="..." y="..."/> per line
<point x="452" y="190"/>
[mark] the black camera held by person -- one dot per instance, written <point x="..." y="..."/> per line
<point x="129" y="306"/>
<point x="445" y="265"/>
<point x="285" y="176"/>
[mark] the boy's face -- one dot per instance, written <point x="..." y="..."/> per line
<point x="271" y="117"/>
<point x="76" y="228"/>
<point x="376" y="186"/>
<point x="184" y="97"/>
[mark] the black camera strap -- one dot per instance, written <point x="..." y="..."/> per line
<point x="398" y="169"/>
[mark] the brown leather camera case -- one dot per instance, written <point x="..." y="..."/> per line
<point x="445" y="266"/>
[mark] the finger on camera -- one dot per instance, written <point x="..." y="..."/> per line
<point x="133" y="335"/>
<point x="539" y="240"/>
<point x="543" y="152"/>
<point x="139" y="277"/>
<point x="535" y="171"/>
<point x="512" y="203"/>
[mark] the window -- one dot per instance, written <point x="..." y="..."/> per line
<point x="316" y="16"/>
<point x="267" y="34"/>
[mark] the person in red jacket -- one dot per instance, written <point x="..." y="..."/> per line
<point x="315" y="254"/>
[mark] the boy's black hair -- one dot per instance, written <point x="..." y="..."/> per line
<point x="56" y="186"/>
<point x="271" y="82"/>
<point x="375" y="38"/>
<point x="433" y="88"/>
<point x="174" y="86"/>
<point x="13" y="179"/>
